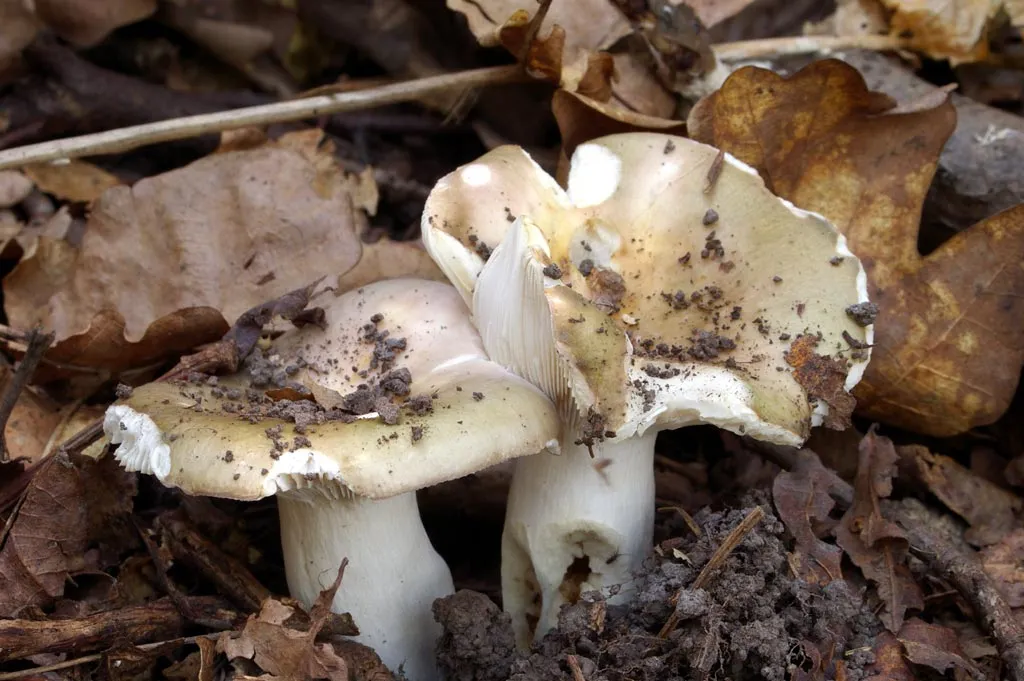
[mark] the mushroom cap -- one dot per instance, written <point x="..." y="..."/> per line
<point x="239" y="439"/>
<point x="677" y="289"/>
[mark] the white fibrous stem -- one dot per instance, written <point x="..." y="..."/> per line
<point x="393" y="574"/>
<point x="575" y="524"/>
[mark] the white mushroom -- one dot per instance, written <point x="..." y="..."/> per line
<point x="346" y="468"/>
<point x="666" y="287"/>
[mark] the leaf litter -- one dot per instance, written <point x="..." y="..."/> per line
<point x="790" y="573"/>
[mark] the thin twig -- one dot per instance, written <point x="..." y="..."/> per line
<point x="133" y="137"/>
<point x="95" y="657"/>
<point x="805" y="44"/>
<point x="730" y="543"/>
<point x="574" y="668"/>
<point x="37" y="343"/>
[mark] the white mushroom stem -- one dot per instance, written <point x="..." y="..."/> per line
<point x="393" y="574"/>
<point x="575" y="524"/>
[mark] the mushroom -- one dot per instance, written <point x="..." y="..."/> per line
<point x="666" y="287"/>
<point x="344" y="424"/>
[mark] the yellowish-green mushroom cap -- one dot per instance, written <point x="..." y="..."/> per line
<point x="666" y="286"/>
<point x="441" y="409"/>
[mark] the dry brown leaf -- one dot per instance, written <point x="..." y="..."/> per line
<point x="165" y="264"/>
<point x="875" y="545"/>
<point x="989" y="509"/>
<point x="14" y="187"/>
<point x="802" y="499"/>
<point x="949" y="340"/>
<point x="283" y="652"/>
<point x="1004" y="563"/>
<point x="72" y="181"/>
<point x="31" y="425"/>
<point x="942" y="29"/>
<point x="935" y="646"/>
<point x="588" y="24"/>
<point x="87" y="22"/>
<point x="387" y="259"/>
<point x="47" y="540"/>
<point x="711" y="12"/>
<point x="889" y="664"/>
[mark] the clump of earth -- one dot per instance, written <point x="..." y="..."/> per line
<point x="754" y="621"/>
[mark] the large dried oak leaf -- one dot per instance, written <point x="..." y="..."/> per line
<point x="168" y="263"/>
<point x="950" y="333"/>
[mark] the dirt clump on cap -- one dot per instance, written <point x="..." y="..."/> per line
<point x="752" y="622"/>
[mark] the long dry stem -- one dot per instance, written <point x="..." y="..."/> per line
<point x="133" y="137"/>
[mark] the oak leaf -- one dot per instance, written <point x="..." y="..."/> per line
<point x="949" y="338"/>
<point x="167" y="264"/>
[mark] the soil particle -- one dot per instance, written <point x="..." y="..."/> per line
<point x="747" y="624"/>
<point x="478" y="643"/>
<point x="478" y="396"/>
<point x="122" y="391"/>
<point x="666" y="371"/>
<point x="586" y="267"/>
<point x="708" y="345"/>
<point x="387" y="409"/>
<point x="420" y="404"/>
<point x="417" y="433"/>
<point x="710" y="217"/>
<point x="863" y="313"/>
<point x="552" y="271"/>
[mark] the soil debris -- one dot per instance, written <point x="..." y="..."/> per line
<point x="863" y="313"/>
<point x="749" y="623"/>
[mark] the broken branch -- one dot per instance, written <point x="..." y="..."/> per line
<point x="157" y="620"/>
<point x="945" y="552"/>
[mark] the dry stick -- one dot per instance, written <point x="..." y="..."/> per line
<point x="955" y="562"/>
<point x="133" y="137"/>
<point x="728" y="546"/>
<point x="37" y="342"/>
<point x="95" y="657"/>
<point x="804" y="44"/>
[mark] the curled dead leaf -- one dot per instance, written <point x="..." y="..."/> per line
<point x="949" y="341"/>
<point x="273" y="640"/>
<point x="876" y="545"/>
<point x="803" y="502"/>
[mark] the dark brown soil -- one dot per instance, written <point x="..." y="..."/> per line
<point x="753" y="622"/>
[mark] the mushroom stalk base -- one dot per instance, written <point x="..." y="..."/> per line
<point x="575" y="524"/>
<point x="393" y="574"/>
